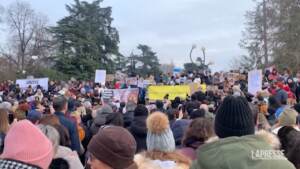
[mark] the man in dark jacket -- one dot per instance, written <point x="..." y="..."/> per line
<point x="60" y="105"/>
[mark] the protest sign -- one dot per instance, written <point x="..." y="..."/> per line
<point x="110" y="77"/>
<point x="123" y="95"/>
<point x="194" y="87"/>
<point x="159" y="92"/>
<point x="255" y="81"/>
<point x="100" y="76"/>
<point x="132" y="81"/>
<point x="24" y="83"/>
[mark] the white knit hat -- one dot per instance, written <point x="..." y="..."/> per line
<point x="159" y="136"/>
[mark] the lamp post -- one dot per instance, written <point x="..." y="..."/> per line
<point x="204" y="56"/>
<point x="191" y="52"/>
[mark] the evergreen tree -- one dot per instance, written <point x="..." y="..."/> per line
<point x="149" y="64"/>
<point x="86" y="41"/>
<point x="287" y="51"/>
<point x="257" y="36"/>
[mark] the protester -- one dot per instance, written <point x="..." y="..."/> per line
<point x="129" y="115"/>
<point x="25" y="146"/>
<point x="60" y="151"/>
<point x="287" y="118"/>
<point x="161" y="152"/>
<point x="112" y="147"/>
<point x="60" y="107"/>
<point x="138" y="127"/>
<point x="288" y="137"/>
<point x="4" y="127"/>
<point x="100" y="119"/>
<point x="234" y="125"/>
<point x="198" y="132"/>
<point x="34" y="116"/>
<point x="80" y="109"/>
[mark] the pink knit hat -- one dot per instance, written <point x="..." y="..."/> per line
<point x="25" y="142"/>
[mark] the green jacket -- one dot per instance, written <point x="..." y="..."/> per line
<point x="240" y="153"/>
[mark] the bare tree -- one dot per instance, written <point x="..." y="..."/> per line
<point x="29" y="40"/>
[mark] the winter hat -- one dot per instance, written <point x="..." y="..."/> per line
<point x="159" y="104"/>
<point x="34" y="116"/>
<point x="140" y="110"/>
<point x="159" y="136"/>
<point x="288" y="117"/>
<point x="26" y="143"/>
<point x="6" y="105"/>
<point x="197" y="113"/>
<point x="114" y="146"/>
<point x="234" y="118"/>
<point x="105" y="109"/>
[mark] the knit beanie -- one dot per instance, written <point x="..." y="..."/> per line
<point x="26" y="143"/>
<point x="105" y="109"/>
<point x="288" y="117"/>
<point x="34" y="116"/>
<point x="114" y="146"/>
<point x="159" y="136"/>
<point x="234" y="118"/>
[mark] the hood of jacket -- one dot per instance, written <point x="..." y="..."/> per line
<point x="138" y="126"/>
<point x="98" y="122"/>
<point x="178" y="128"/>
<point x="242" y="153"/>
<point x="70" y="156"/>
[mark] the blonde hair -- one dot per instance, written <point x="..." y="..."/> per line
<point x="4" y="124"/>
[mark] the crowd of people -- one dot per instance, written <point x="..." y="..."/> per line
<point x="76" y="125"/>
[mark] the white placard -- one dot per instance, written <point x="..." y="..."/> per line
<point x="255" y="81"/>
<point x="100" y="76"/>
<point x="24" y="83"/>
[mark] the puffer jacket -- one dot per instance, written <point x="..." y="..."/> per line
<point x="70" y="156"/>
<point x="167" y="161"/>
<point x="245" y="152"/>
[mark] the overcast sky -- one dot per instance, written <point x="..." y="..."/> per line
<point x="170" y="27"/>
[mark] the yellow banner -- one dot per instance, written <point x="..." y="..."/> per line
<point x="195" y="87"/>
<point x="159" y="92"/>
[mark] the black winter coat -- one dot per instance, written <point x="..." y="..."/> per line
<point x="139" y="131"/>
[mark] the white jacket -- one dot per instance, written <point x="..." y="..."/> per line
<point x="70" y="156"/>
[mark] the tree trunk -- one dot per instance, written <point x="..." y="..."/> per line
<point x="265" y="34"/>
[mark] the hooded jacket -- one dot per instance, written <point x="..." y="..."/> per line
<point x="139" y="131"/>
<point x="70" y="156"/>
<point x="245" y="152"/>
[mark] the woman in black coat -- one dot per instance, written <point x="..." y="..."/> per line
<point x="138" y="127"/>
